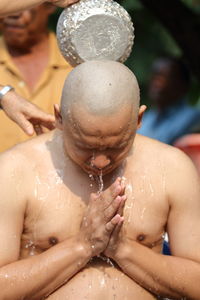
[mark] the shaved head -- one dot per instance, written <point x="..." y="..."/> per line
<point x="100" y="88"/>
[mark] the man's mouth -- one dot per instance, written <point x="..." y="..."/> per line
<point x="13" y="25"/>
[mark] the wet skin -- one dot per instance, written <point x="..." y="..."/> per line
<point x="57" y="201"/>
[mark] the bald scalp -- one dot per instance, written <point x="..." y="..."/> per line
<point x="100" y="88"/>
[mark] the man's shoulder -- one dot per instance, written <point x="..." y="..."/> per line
<point x="25" y="154"/>
<point x="155" y="150"/>
<point x="15" y="158"/>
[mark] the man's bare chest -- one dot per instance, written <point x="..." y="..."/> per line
<point x="56" y="211"/>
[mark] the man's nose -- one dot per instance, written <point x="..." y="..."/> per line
<point x="100" y="161"/>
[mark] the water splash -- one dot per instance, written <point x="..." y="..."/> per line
<point x="107" y="260"/>
<point x="30" y="245"/>
<point x="91" y="177"/>
<point x="100" y="182"/>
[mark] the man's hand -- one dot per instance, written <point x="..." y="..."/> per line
<point x="102" y="217"/>
<point x="28" y="116"/>
<point x="115" y="239"/>
<point x="62" y="3"/>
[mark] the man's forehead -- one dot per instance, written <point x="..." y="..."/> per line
<point x="101" y="128"/>
<point x="104" y="136"/>
<point x="101" y="125"/>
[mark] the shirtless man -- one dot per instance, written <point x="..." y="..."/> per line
<point x="61" y="238"/>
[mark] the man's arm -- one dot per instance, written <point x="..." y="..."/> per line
<point x="174" y="276"/>
<point x="38" y="276"/>
<point x="10" y="7"/>
<point x="27" y="115"/>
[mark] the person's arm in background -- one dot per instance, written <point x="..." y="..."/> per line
<point x="27" y="115"/>
<point x="9" y="7"/>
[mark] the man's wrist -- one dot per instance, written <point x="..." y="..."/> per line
<point x="121" y="251"/>
<point x="3" y="91"/>
<point x="84" y="247"/>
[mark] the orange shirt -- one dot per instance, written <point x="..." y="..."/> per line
<point x="46" y="93"/>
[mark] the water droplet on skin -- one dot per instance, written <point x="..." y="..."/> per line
<point x="29" y="244"/>
<point x="102" y="282"/>
<point x="151" y="189"/>
<point x="79" y="264"/>
<point x="142" y="214"/>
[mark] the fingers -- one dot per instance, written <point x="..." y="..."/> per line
<point x="116" y="220"/>
<point x="121" y="206"/>
<point x="25" y="125"/>
<point x="116" y="188"/>
<point x="40" y="119"/>
<point x="109" y="195"/>
<point x="63" y="3"/>
<point x="35" y="114"/>
<point x="49" y="125"/>
<point x="123" y="186"/>
<point x="38" y="129"/>
<point x="111" y="210"/>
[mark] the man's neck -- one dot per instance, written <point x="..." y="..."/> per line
<point x="31" y="61"/>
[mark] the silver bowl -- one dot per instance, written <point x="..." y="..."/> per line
<point x="95" y="30"/>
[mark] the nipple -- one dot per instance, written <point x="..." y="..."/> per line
<point x="53" y="241"/>
<point x="141" y="237"/>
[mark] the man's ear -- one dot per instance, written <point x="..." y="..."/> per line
<point x="140" y="115"/>
<point x="58" y="117"/>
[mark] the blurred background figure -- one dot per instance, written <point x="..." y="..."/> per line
<point x="31" y="62"/>
<point x="190" y="144"/>
<point x="171" y="116"/>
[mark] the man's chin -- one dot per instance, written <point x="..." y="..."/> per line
<point x="16" y="41"/>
